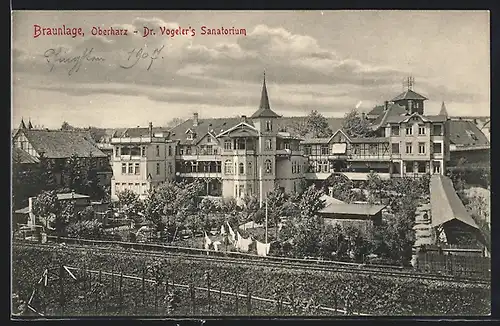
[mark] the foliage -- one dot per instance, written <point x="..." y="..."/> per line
<point x="463" y="176"/>
<point x="88" y="229"/>
<point x="355" y="125"/>
<point x="47" y="208"/>
<point x="318" y="125"/>
<point x="310" y="201"/>
<point x="86" y="214"/>
<point x="131" y="205"/>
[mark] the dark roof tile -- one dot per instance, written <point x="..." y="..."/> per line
<point x="21" y="156"/>
<point x="409" y="95"/>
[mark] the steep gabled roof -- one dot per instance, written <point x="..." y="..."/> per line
<point x="352" y="209"/>
<point x="445" y="203"/>
<point x="466" y="133"/>
<point x="62" y="143"/>
<point x="393" y="110"/>
<point x="409" y="95"/>
<point x="21" y="156"/>
<point x="216" y="125"/>
<point x="264" y="110"/>
<point x="141" y="132"/>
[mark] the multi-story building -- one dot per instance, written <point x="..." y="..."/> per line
<point x="243" y="156"/>
<point x="142" y="158"/>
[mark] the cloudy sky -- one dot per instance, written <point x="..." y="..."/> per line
<point x="328" y="61"/>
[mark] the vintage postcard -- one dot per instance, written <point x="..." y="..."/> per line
<point x="250" y="163"/>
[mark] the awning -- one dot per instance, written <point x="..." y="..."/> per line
<point x="339" y="148"/>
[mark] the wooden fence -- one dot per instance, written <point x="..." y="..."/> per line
<point x="460" y="265"/>
<point x="155" y="298"/>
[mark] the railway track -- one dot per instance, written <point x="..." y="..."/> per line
<point x="361" y="269"/>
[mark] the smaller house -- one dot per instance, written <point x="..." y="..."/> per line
<point x="361" y="216"/>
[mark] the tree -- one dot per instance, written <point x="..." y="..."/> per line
<point x="250" y="207"/>
<point x="342" y="187"/>
<point x="355" y="125"/>
<point x="49" y="211"/>
<point x="131" y="204"/>
<point x="174" y="122"/>
<point x="66" y="126"/>
<point x="46" y="180"/>
<point x="318" y="125"/>
<point x="87" y="229"/>
<point x="310" y="201"/>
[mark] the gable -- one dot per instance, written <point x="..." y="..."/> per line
<point x="241" y="130"/>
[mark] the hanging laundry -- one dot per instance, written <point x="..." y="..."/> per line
<point x="222" y="230"/>
<point x="231" y="232"/>
<point x="216" y="245"/>
<point x="263" y="248"/>
<point x="208" y="242"/>
<point x="244" y="244"/>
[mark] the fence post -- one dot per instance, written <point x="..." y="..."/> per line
<point x="120" y="291"/>
<point x="236" y="303"/>
<point x="192" y="294"/>
<point x="220" y="291"/>
<point x="156" y="297"/>
<point x="143" y="290"/>
<point x="249" y="300"/>
<point x="208" y="293"/>
<point x="113" y="279"/>
<point x="294" y="304"/>
<point x="61" y="288"/>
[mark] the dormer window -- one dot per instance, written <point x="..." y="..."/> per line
<point x="190" y="136"/>
<point x="269" y="125"/>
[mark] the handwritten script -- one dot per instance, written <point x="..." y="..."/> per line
<point x="73" y="62"/>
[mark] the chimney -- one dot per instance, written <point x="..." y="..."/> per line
<point x="243" y="118"/>
<point x="195" y="119"/>
<point x="30" y="209"/>
<point x="151" y="129"/>
<point x="363" y="115"/>
<point x="386" y="105"/>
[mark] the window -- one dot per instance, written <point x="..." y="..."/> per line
<point x="287" y="145"/>
<point x="143" y="151"/>
<point x="181" y="151"/>
<point x="298" y="167"/>
<point x="124" y="168"/>
<point x="421" y="130"/>
<point x="324" y="166"/>
<point x="325" y="150"/>
<point x="409" y="148"/>
<point x="227" y="144"/>
<point x="268" y="166"/>
<point x="249" y="190"/>
<point x="158" y="168"/>
<point x="137" y="168"/>
<point x="241" y="143"/>
<point x="249" y="169"/>
<point x="416" y="105"/>
<point x="437" y="130"/>
<point x="409" y="130"/>
<point x="228" y="167"/>
<point x="188" y="150"/>
<point x="269" y="144"/>
<point x="437" y="148"/>
<point x="395" y="148"/>
<point x="409" y="167"/>
<point x="356" y="149"/>
<point x="372" y="149"/>
<point x="395" y="130"/>
<point x="436" y="167"/>
<point x="294" y="167"/>
<point x="241" y="169"/>
<point x="169" y="150"/>
<point x="269" y="125"/>
<point x="307" y="150"/>
<point x="242" y="191"/>
<point x="294" y="187"/>
<point x="157" y="150"/>
<point x="130" y="168"/>
<point x="194" y="166"/>
<point x="421" y="167"/>
<point x="170" y="168"/>
<point x="117" y="152"/>
<point x="421" y="148"/>
<point x="410" y="105"/>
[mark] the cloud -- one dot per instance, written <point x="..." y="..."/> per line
<point x="304" y="75"/>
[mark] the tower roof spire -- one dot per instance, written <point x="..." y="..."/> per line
<point x="22" y="125"/>
<point x="264" y="110"/>
<point x="443" y="110"/>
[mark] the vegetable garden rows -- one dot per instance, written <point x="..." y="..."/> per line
<point x="367" y="294"/>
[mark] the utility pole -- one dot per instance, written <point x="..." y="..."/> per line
<point x="266" y="220"/>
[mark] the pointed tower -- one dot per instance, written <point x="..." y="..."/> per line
<point x="22" y="125"/>
<point x="264" y="116"/>
<point x="30" y="126"/>
<point x="443" y="110"/>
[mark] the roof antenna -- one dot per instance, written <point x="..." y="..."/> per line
<point x="408" y="83"/>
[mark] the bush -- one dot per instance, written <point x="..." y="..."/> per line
<point x="85" y="229"/>
<point x="470" y="175"/>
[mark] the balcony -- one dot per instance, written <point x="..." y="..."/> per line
<point x="373" y="157"/>
<point x="199" y="174"/>
<point x="350" y="175"/>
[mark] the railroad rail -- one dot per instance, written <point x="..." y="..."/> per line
<point x="275" y="262"/>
